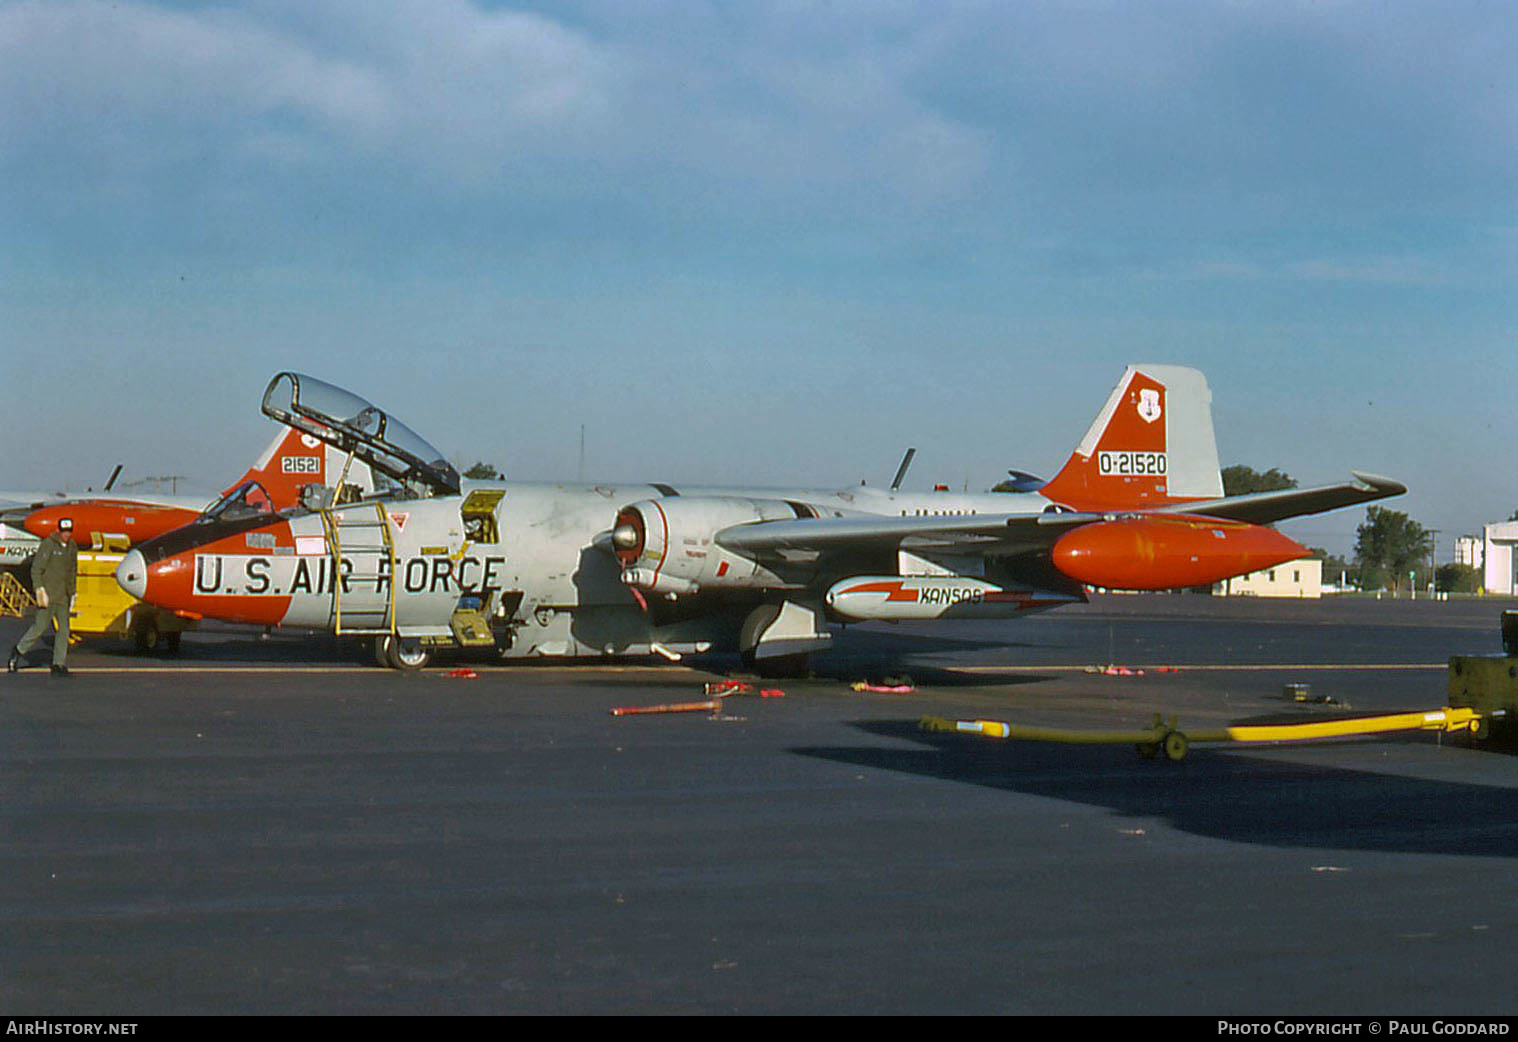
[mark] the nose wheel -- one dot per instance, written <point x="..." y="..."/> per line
<point x="403" y="653"/>
<point x="150" y="640"/>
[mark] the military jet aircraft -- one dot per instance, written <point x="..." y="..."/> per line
<point x="433" y="561"/>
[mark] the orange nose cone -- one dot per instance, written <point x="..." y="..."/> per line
<point x="1165" y="553"/>
<point x="202" y="586"/>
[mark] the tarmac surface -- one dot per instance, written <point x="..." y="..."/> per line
<point x="277" y="826"/>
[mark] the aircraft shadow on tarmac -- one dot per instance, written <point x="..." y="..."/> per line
<point x="1220" y="794"/>
<point x="882" y="657"/>
<point x="893" y="672"/>
<point x="887" y="643"/>
<point x="858" y="653"/>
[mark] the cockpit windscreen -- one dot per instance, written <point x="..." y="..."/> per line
<point x="246" y="500"/>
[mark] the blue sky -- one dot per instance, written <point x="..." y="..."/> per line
<point x="769" y="243"/>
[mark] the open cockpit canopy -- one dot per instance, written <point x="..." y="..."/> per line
<point x="344" y="420"/>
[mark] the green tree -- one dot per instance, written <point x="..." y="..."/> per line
<point x="1388" y="546"/>
<point x="1457" y="578"/>
<point x="1239" y="480"/>
<point x="482" y="471"/>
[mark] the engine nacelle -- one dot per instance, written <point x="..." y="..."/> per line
<point x="668" y="546"/>
<point x="1165" y="553"/>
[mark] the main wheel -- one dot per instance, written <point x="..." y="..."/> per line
<point x="403" y="653"/>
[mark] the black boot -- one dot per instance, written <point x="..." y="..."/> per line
<point x="14" y="662"/>
<point x="60" y="671"/>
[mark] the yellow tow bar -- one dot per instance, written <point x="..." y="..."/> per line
<point x="1167" y="737"/>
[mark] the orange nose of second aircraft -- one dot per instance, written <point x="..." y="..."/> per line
<point x="129" y="522"/>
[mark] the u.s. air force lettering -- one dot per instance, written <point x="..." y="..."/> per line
<point x="235" y="575"/>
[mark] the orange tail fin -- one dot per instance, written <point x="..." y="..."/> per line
<point x="1151" y="445"/>
<point x="294" y="460"/>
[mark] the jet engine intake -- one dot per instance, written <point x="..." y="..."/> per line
<point x="668" y="546"/>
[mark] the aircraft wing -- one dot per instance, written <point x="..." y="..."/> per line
<point x="1264" y="508"/>
<point x="1007" y="535"/>
<point x="988" y="534"/>
<point x="19" y="504"/>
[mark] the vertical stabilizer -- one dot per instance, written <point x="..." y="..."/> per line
<point x="1151" y="444"/>
<point x="294" y="460"/>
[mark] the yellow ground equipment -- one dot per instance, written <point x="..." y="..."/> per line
<point x="101" y="607"/>
<point x="14" y="598"/>
<point x="1167" y="737"/>
<point x="1487" y="685"/>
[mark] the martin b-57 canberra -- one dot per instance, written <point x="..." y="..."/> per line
<point x="433" y="561"/>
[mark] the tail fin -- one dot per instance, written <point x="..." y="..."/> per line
<point x="294" y="460"/>
<point x="1151" y="444"/>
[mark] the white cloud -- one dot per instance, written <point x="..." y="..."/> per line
<point x="452" y="87"/>
<point x="464" y="96"/>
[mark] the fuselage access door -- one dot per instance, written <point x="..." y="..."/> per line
<point x="484" y="614"/>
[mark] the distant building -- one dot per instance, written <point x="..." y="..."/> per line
<point x="1299" y="579"/>
<point x="1497" y="549"/>
<point x="1470" y="550"/>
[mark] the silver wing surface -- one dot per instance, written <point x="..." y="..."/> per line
<point x="1265" y="508"/>
<point x="1011" y="535"/>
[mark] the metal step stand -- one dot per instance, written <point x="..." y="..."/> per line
<point x="360" y="533"/>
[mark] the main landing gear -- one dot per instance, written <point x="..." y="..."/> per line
<point x="403" y="653"/>
<point x="776" y="640"/>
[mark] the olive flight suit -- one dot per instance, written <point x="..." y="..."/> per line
<point x="54" y="571"/>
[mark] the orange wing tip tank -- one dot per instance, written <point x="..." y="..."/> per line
<point x="1164" y="553"/>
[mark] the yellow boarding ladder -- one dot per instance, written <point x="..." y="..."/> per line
<point x="363" y="600"/>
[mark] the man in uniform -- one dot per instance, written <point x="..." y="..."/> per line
<point x="54" y="569"/>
